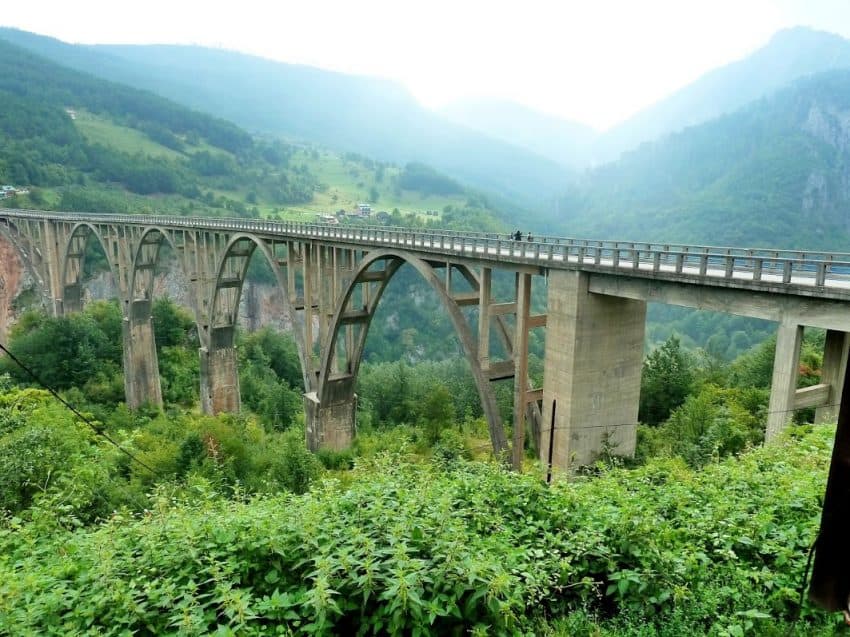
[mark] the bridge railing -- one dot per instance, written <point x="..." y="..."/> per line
<point x="686" y="261"/>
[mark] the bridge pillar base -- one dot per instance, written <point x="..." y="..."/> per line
<point x="72" y="299"/>
<point x="220" y="374"/>
<point x="594" y="357"/>
<point x="329" y="426"/>
<point x="783" y="385"/>
<point x="141" y="367"/>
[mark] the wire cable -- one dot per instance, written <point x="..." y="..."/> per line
<point x="802" y="590"/>
<point x="99" y="431"/>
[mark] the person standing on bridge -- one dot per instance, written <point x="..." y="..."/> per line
<point x="517" y="236"/>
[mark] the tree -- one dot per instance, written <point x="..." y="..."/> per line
<point x="172" y="325"/>
<point x="68" y="351"/>
<point x="437" y="412"/>
<point x="666" y="381"/>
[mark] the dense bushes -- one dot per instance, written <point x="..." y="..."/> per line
<point x="415" y="548"/>
<point x="69" y="351"/>
<point x="52" y="463"/>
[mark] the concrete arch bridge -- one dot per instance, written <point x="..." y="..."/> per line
<point x="333" y="278"/>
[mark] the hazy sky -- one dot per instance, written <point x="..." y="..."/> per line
<point x="596" y="62"/>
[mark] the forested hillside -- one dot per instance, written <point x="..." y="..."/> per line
<point x="772" y="174"/>
<point x="82" y="143"/>
<point x="372" y="117"/>
<point x="147" y="145"/>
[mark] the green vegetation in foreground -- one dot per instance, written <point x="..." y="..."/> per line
<point x="240" y="530"/>
<point x="439" y="548"/>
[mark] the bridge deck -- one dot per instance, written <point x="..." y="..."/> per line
<point x="821" y="274"/>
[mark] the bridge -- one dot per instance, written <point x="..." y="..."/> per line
<point x="333" y="277"/>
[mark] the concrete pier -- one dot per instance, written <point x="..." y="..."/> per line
<point x="329" y="426"/>
<point x="783" y="386"/>
<point x="141" y="365"/>
<point x="594" y="353"/>
<point x="835" y="353"/>
<point x="220" y="373"/>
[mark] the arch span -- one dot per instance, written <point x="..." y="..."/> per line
<point x="145" y="258"/>
<point x="141" y="365"/>
<point x="73" y="257"/>
<point x="219" y="375"/>
<point x="331" y="417"/>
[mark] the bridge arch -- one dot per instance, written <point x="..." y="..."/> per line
<point x="145" y="258"/>
<point x="357" y="307"/>
<point x="73" y="257"/>
<point x="218" y="326"/>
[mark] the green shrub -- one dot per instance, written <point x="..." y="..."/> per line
<point x="336" y="460"/>
<point x="414" y="549"/>
<point x="451" y="446"/>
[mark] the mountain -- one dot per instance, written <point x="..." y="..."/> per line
<point x="791" y="54"/>
<point x="558" y="139"/>
<point x="78" y="142"/>
<point x="775" y="173"/>
<point x="369" y="116"/>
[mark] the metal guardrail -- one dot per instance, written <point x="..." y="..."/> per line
<point x="784" y="267"/>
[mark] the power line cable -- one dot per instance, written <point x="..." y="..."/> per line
<point x="99" y="431"/>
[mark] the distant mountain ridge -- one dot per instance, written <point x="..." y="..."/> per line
<point x="547" y="135"/>
<point x="369" y="116"/>
<point x="789" y="55"/>
<point x="773" y="174"/>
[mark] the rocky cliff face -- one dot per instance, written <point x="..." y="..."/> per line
<point x="827" y="188"/>
<point x="19" y="287"/>
<point x="260" y="306"/>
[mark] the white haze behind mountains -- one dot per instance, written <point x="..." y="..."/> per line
<point x="591" y="62"/>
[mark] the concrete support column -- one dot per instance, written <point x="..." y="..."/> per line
<point x="307" y="274"/>
<point x="485" y="295"/>
<point x="141" y="366"/>
<point x="783" y="386"/>
<point x="591" y="389"/>
<point x="523" y="303"/>
<point x="220" y="373"/>
<point x="835" y="352"/>
<point x="330" y="426"/>
<point x="72" y="298"/>
<point x="53" y="269"/>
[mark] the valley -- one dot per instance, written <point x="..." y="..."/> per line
<point x="485" y="437"/>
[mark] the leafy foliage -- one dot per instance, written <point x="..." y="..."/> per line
<point x="416" y="548"/>
<point x="665" y="382"/>
<point x="69" y="351"/>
